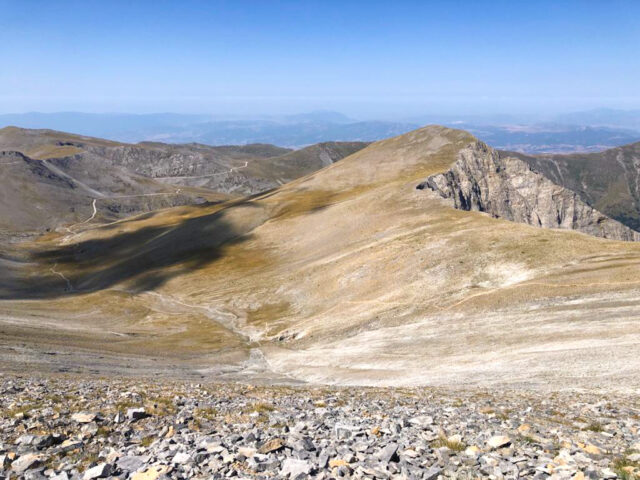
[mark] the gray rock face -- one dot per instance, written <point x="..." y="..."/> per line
<point x="132" y="463"/>
<point x="608" y="180"/>
<point x="388" y="453"/>
<point x="507" y="187"/>
<point x="221" y="168"/>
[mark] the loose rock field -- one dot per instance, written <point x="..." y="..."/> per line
<point x="72" y="428"/>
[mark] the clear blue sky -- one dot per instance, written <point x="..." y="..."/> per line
<point x="364" y="58"/>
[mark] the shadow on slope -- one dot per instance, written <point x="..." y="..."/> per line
<point x="142" y="259"/>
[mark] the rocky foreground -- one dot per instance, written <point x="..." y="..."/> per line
<point x="63" y="428"/>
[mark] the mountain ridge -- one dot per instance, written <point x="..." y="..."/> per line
<point x="129" y="179"/>
<point x="349" y="275"/>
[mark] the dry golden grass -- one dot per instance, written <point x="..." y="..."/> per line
<point x="44" y="152"/>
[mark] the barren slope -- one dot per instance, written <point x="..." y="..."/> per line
<point x="349" y="275"/>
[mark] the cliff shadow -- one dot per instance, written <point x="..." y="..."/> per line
<point x="141" y="260"/>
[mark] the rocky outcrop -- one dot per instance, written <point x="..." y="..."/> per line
<point x="507" y="187"/>
<point x="608" y="180"/>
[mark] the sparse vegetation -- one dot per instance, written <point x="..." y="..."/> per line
<point x="123" y="405"/>
<point x="626" y="469"/>
<point x="161" y="406"/>
<point x="22" y="409"/>
<point x="206" y="413"/>
<point x="528" y="439"/>
<point x="443" y="441"/>
<point x="86" y="460"/>
<point x="595" y="427"/>
<point x="262" y="408"/>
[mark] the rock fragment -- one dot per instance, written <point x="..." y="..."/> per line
<point x="138" y="413"/>
<point x="83" y="417"/>
<point x="294" y="468"/>
<point x="498" y="441"/>
<point x="101" y="470"/>
<point x="272" y="445"/>
<point x="25" y="462"/>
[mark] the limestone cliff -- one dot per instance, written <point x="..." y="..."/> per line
<point x="507" y="187"/>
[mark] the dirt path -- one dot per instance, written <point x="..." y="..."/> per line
<point x="61" y="275"/>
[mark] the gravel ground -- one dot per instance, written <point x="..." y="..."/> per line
<point x="85" y="428"/>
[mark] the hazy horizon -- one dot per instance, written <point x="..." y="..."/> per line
<point x="392" y="111"/>
<point x="364" y="59"/>
<point x="462" y="115"/>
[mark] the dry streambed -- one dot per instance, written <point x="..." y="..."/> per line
<point x="66" y="428"/>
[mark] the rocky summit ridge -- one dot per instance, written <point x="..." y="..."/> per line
<point x="507" y="187"/>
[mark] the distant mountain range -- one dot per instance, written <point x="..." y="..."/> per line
<point x="589" y="131"/>
<point x="292" y="131"/>
<point x="553" y="138"/>
<point x="605" y="117"/>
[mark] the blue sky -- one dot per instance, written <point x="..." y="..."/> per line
<point x="364" y="58"/>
